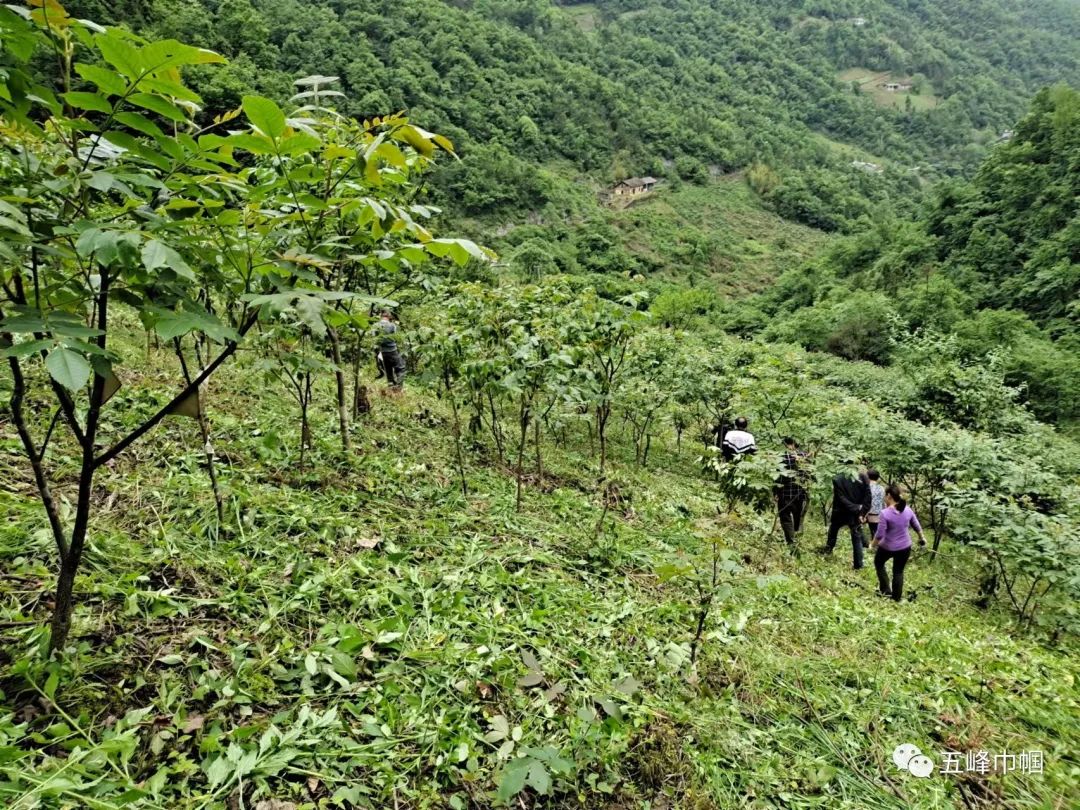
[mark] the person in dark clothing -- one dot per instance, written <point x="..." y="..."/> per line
<point x="790" y="492"/>
<point x="388" y="359"/>
<point x="738" y="442"/>
<point x="851" y="501"/>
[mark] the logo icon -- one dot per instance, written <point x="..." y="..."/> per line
<point x="909" y="758"/>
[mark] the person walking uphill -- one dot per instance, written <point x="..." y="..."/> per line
<point x="893" y="542"/>
<point x="790" y="492"/>
<point x="393" y="364"/>
<point x="738" y="442"/>
<point x="851" y="501"/>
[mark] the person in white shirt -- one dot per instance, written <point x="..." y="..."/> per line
<point x="738" y="442"/>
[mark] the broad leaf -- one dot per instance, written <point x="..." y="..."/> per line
<point x="68" y="368"/>
<point x="265" y="116"/>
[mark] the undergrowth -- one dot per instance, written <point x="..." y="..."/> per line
<point x="360" y="634"/>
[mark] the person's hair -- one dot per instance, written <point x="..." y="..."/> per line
<point x="741" y="423"/>
<point x="873" y="475"/>
<point x="386" y="313"/>
<point x="893" y="492"/>
<point x="790" y="442"/>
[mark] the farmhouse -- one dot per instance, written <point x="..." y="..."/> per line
<point x="858" y="22"/>
<point x="634" y="186"/>
<point x="866" y="166"/>
<point x="897" y="87"/>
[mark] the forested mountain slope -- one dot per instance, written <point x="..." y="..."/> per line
<point x="520" y="84"/>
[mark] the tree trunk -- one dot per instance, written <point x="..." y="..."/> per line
<point x="305" y="427"/>
<point x="496" y="431"/>
<point x="524" y="432"/>
<point x="361" y="405"/>
<point x="339" y="380"/>
<point x="69" y="563"/>
<point x="457" y="435"/>
<point x="539" y="455"/>
<point x="603" y="412"/>
<point x="204" y="433"/>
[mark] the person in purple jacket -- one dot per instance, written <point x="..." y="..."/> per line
<point x="893" y="541"/>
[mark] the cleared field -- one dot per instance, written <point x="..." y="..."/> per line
<point x="873" y="84"/>
<point x="586" y="15"/>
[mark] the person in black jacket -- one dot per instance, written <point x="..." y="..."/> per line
<point x="851" y="502"/>
<point x="790" y="492"/>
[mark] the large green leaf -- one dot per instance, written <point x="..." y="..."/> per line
<point x="157" y="254"/>
<point x="513" y="779"/>
<point x="169" y="53"/>
<point x="68" y="368"/>
<point x="94" y="102"/>
<point x="120" y="53"/>
<point x="108" y="82"/>
<point x="265" y="116"/>
<point x="160" y="105"/>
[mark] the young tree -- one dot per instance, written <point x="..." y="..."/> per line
<point x="607" y="328"/>
<point x="115" y="199"/>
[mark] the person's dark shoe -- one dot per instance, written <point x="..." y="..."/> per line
<point x="826" y="550"/>
<point x="857" y="568"/>
<point x="885" y="594"/>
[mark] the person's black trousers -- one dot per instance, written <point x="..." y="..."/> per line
<point x="839" y="520"/>
<point x="394" y="365"/>
<point x="792" y="511"/>
<point x="899" y="559"/>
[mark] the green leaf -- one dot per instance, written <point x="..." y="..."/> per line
<point x="170" y="53"/>
<point x="118" y="52"/>
<point x="68" y="368"/>
<point x="51" y="683"/>
<point x="513" y="779"/>
<point x="299" y="143"/>
<point x="88" y="101"/>
<point x="157" y="254"/>
<point x="136" y="121"/>
<point x="417" y="138"/>
<point x="538" y="778"/>
<point x="129" y="143"/>
<point x="265" y="116"/>
<point x="162" y="106"/>
<point x="107" y="81"/>
<point x="27" y="347"/>
<point x="254" y="143"/>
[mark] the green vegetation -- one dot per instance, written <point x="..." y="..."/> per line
<point x="533" y="102"/>
<point x="993" y="262"/>
<point x="235" y="573"/>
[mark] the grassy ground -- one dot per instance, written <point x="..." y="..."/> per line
<point x="586" y="15"/>
<point x="362" y="634"/>
<point x="720" y="226"/>
<point x="872" y="83"/>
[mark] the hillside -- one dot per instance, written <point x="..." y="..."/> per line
<point x="359" y="633"/>
<point x="646" y="87"/>
<point x="313" y="500"/>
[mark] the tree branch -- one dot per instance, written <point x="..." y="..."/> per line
<point x="154" y="420"/>
<point x="18" y="394"/>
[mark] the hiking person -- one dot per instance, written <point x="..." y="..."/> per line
<point x="893" y="542"/>
<point x="790" y="492"/>
<point x="851" y="502"/>
<point x="877" y="502"/>
<point x="738" y="442"/>
<point x="387" y="355"/>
